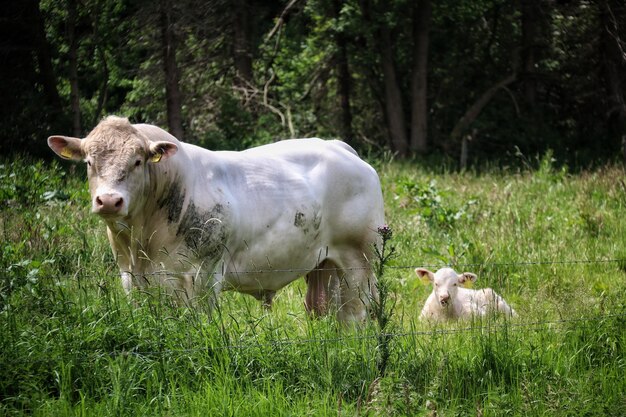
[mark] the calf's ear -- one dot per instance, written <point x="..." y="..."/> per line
<point x="66" y="147"/>
<point x="425" y="275"/>
<point x="160" y="151"/>
<point x="466" y="279"/>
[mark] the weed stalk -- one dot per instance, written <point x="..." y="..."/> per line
<point x="383" y="308"/>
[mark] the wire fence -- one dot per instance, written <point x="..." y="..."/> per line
<point x="621" y="262"/>
<point x="269" y="346"/>
<point x="491" y="328"/>
<point x="473" y="326"/>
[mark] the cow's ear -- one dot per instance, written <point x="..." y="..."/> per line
<point x="66" y="147"/>
<point x="425" y="275"/>
<point x="160" y="151"/>
<point x="466" y="279"/>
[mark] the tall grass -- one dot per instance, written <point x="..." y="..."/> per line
<point x="72" y="343"/>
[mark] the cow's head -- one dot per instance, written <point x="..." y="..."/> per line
<point x="117" y="157"/>
<point x="446" y="283"/>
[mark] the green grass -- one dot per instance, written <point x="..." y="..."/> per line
<point x="72" y="343"/>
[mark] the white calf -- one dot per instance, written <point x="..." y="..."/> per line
<point x="450" y="300"/>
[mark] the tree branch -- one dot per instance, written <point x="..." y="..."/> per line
<point x="474" y="111"/>
<point x="281" y="19"/>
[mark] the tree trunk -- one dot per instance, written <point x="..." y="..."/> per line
<point x="73" y="70"/>
<point x="344" y="80"/>
<point x="419" y="78"/>
<point x="44" y="58"/>
<point x="613" y="65"/>
<point x="393" y="97"/>
<point x="104" y="90"/>
<point x="172" y="87"/>
<point x="531" y="14"/>
<point x="241" y="49"/>
<point x="99" y="44"/>
<point x="474" y="111"/>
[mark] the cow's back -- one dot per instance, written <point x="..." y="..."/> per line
<point x="329" y="172"/>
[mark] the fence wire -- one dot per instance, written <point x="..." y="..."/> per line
<point x="507" y="325"/>
<point x="491" y="328"/>
<point x="483" y="265"/>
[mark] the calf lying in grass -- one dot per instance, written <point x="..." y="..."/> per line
<point x="450" y="300"/>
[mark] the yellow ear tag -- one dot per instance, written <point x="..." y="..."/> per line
<point x="156" y="157"/>
<point x="67" y="153"/>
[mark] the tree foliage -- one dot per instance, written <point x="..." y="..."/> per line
<point x="487" y="76"/>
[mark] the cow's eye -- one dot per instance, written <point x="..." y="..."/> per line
<point x="138" y="162"/>
<point x="88" y="163"/>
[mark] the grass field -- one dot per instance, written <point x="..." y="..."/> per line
<point x="552" y="242"/>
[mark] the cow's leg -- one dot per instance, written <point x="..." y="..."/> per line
<point x="357" y="287"/>
<point x="195" y="289"/>
<point x="127" y="281"/>
<point x="322" y="285"/>
<point x="268" y="296"/>
<point x="265" y="296"/>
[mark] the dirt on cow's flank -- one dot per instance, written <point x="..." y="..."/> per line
<point x="551" y="242"/>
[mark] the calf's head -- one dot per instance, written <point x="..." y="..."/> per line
<point x="117" y="157"/>
<point x="446" y="283"/>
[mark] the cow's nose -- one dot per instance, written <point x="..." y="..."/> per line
<point x="108" y="203"/>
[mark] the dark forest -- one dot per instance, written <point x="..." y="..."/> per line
<point x="486" y="79"/>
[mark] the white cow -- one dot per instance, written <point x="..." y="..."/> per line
<point x="450" y="300"/>
<point x="199" y="222"/>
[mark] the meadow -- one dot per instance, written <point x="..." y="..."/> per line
<point x="551" y="240"/>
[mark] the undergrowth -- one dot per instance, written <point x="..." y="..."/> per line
<point x="551" y="242"/>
